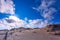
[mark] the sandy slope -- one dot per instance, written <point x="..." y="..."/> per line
<point x="35" y="34"/>
<point x="3" y="34"/>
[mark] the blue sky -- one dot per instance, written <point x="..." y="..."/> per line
<point x="29" y="12"/>
<point x="24" y="9"/>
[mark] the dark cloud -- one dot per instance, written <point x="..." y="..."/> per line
<point x="10" y="20"/>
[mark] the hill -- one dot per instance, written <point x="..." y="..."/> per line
<point x="32" y="34"/>
<point x="53" y="29"/>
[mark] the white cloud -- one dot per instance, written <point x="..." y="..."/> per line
<point x="37" y="23"/>
<point x="14" y="18"/>
<point x="9" y="23"/>
<point x="45" y="9"/>
<point x="7" y="6"/>
<point x="47" y="14"/>
<point x="14" y="22"/>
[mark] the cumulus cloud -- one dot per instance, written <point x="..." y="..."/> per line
<point x="38" y="23"/>
<point x="7" y="6"/>
<point x="9" y="23"/>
